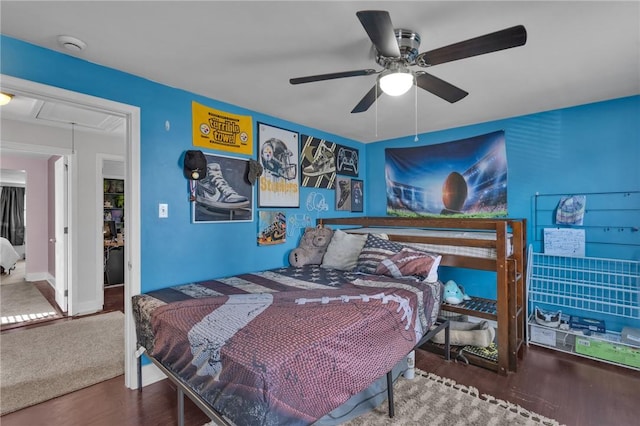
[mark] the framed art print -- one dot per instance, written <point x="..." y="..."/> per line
<point x="357" y="195"/>
<point x="278" y="186"/>
<point x="272" y="228"/>
<point x="347" y="161"/>
<point x="224" y="195"/>
<point x="317" y="163"/>
<point x="343" y="193"/>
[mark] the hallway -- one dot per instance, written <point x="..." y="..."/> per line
<point x="35" y="303"/>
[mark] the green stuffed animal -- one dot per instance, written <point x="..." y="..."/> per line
<point x="312" y="247"/>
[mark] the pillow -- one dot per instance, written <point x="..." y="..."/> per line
<point x="343" y="250"/>
<point x="375" y="249"/>
<point x="409" y="262"/>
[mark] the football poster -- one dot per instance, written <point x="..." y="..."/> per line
<point x="463" y="178"/>
<point x="278" y="185"/>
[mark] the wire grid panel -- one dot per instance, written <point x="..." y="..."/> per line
<point x="607" y="286"/>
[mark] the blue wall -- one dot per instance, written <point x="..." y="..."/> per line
<point x="173" y="250"/>
<point x="587" y="148"/>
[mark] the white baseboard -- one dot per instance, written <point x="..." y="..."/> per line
<point x="151" y="374"/>
<point x="36" y="276"/>
<point x="87" y="308"/>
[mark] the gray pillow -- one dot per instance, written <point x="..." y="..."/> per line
<point x="343" y="251"/>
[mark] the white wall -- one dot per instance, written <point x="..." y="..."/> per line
<point x="36" y="232"/>
<point x="84" y="221"/>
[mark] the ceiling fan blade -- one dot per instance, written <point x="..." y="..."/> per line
<point x="368" y="99"/>
<point x="493" y="42"/>
<point x="331" y="76"/>
<point x="377" y="24"/>
<point x="440" y="88"/>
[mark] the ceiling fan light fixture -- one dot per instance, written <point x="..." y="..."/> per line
<point x="5" y="98"/>
<point x="396" y="82"/>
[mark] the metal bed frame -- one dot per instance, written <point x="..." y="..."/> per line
<point x="184" y="389"/>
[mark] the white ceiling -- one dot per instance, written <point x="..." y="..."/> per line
<point x="244" y="53"/>
<point x="47" y="113"/>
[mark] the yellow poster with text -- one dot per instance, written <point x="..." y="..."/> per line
<point x="221" y="130"/>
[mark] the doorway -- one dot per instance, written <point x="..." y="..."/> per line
<point x="25" y="298"/>
<point x="76" y="304"/>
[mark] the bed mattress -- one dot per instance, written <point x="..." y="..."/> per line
<point x="8" y="255"/>
<point x="284" y="346"/>
<point x="458" y="250"/>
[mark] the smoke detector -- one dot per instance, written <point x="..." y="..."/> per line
<point x="71" y="44"/>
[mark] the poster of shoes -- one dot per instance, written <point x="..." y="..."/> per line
<point x="278" y="185"/>
<point x="272" y="228"/>
<point x="343" y="193"/>
<point x="224" y="195"/>
<point x="317" y="163"/>
<point x="357" y="196"/>
<point x="346" y="161"/>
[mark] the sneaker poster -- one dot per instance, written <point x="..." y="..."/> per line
<point x="272" y="228"/>
<point x="224" y="195"/>
<point x="343" y="193"/>
<point x="317" y="163"/>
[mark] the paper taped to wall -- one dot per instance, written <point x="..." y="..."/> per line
<point x="564" y="242"/>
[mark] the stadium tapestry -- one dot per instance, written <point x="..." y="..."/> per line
<point x="464" y="178"/>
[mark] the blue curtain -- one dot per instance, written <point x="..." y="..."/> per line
<point x="12" y="214"/>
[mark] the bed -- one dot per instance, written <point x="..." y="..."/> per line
<point x="290" y="345"/>
<point x="497" y="244"/>
<point x="8" y="255"/>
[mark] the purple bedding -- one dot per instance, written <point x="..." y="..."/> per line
<point x="284" y="346"/>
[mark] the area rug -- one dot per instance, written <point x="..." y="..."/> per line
<point x="42" y="363"/>
<point x="435" y="401"/>
<point x="22" y="301"/>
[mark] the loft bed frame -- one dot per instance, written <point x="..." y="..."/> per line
<point x="508" y="310"/>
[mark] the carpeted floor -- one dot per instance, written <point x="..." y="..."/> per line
<point x="22" y="301"/>
<point x="435" y="401"/>
<point x="44" y="362"/>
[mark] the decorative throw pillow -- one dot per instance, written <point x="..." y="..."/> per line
<point x="375" y="250"/>
<point x="408" y="262"/>
<point x="343" y="250"/>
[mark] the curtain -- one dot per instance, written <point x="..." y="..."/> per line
<point x="12" y="214"/>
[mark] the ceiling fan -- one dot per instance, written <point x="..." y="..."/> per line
<point x="397" y="50"/>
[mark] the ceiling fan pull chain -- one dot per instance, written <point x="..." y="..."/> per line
<point x="416" y="105"/>
<point x="376" y="110"/>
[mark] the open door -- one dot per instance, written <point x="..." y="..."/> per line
<point x="61" y="238"/>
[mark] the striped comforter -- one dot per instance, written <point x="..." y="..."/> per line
<point x="284" y="346"/>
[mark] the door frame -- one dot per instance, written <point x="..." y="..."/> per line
<point x="61" y="238"/>
<point x="131" y="114"/>
<point x="100" y="176"/>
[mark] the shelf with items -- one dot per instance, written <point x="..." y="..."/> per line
<point x="607" y="347"/>
<point x="604" y="291"/>
<point x="113" y="209"/>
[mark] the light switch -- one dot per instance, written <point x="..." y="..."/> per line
<point x="163" y="210"/>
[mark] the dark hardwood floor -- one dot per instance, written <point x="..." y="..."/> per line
<point x="570" y="389"/>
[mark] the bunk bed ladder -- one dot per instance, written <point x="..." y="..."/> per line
<point x="517" y="313"/>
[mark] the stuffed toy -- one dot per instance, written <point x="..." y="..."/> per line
<point x="453" y="293"/>
<point x="312" y="247"/>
